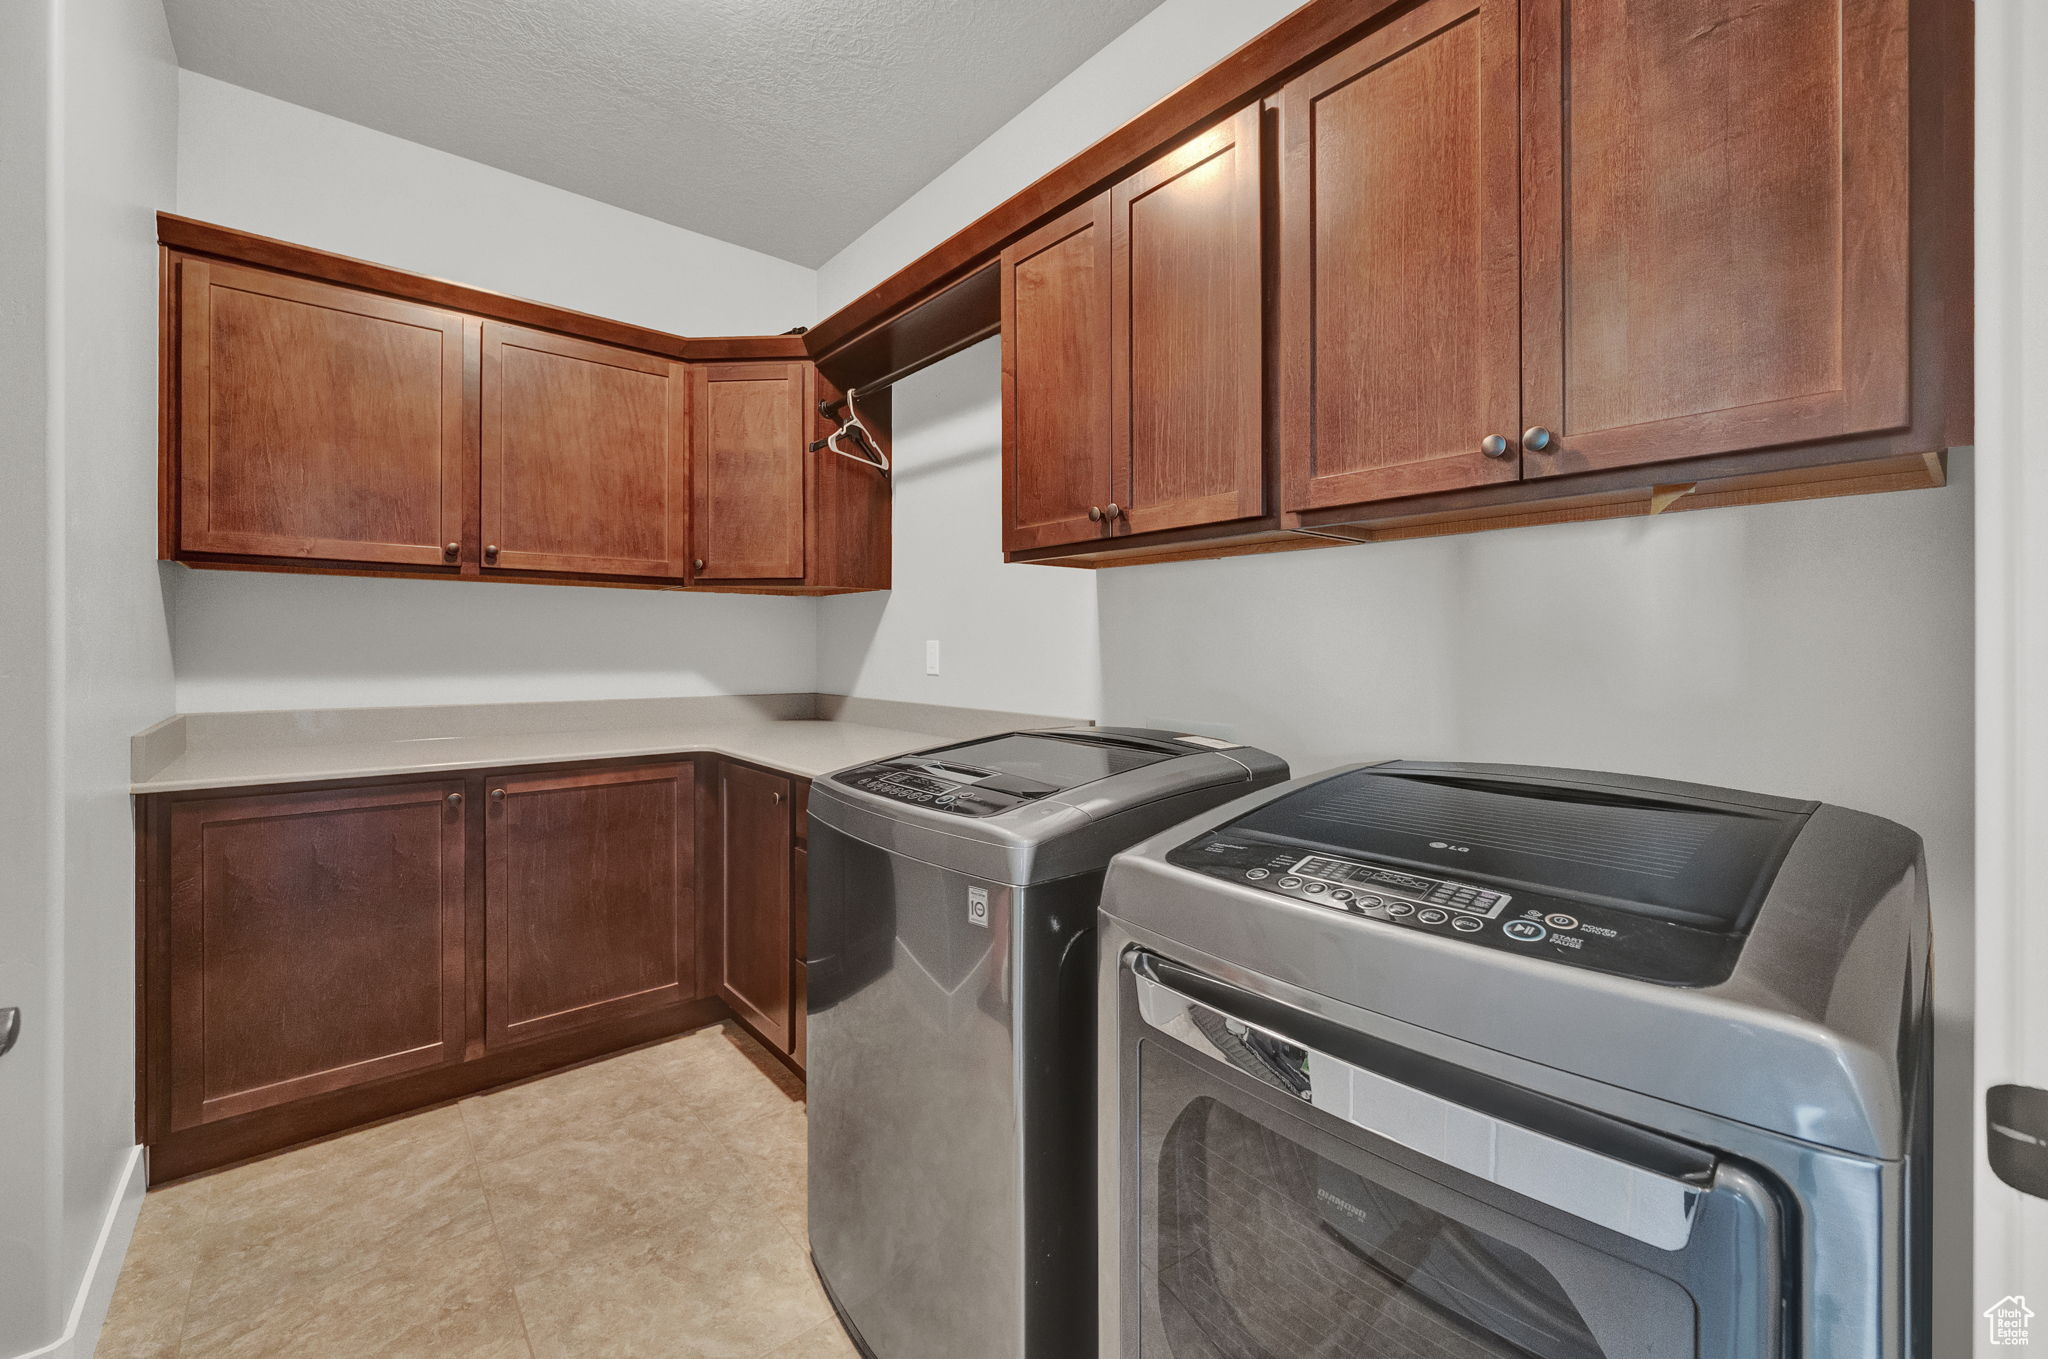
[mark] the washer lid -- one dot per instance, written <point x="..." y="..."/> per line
<point x="1695" y="856"/>
<point x="995" y="774"/>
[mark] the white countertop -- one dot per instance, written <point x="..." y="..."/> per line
<point x="224" y="752"/>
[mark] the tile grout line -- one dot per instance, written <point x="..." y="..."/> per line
<point x="504" y="1261"/>
<point x="207" y="1208"/>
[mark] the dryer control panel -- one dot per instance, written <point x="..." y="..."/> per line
<point x="1534" y="924"/>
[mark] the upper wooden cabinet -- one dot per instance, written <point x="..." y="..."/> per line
<point x="324" y="414"/>
<point x="1133" y="353"/>
<point x="1187" y="335"/>
<point x="315" y="421"/>
<point x="1522" y="261"/>
<point x="750" y="462"/>
<point x="1718" y="211"/>
<point x="590" y="893"/>
<point x="586" y="458"/>
<point x="1057" y="424"/>
<point x="1398" y="260"/>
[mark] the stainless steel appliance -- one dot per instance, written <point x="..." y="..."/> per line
<point x="951" y="966"/>
<point x="1467" y="1060"/>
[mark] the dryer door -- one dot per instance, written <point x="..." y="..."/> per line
<point x="1293" y="1189"/>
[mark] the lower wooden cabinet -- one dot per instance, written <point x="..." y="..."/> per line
<point x="316" y="942"/>
<point x="315" y="958"/>
<point x="590" y="903"/>
<point x="757" y="817"/>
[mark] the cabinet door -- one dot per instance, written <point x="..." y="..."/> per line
<point x="585" y="457"/>
<point x="751" y="424"/>
<point x="588" y="900"/>
<point x="316" y="943"/>
<point x="1400" y="284"/>
<point x="1187" y="335"/>
<point x="316" y="421"/>
<point x="1057" y="427"/>
<point x="1716" y="217"/>
<point x="799" y="920"/>
<point x="754" y="865"/>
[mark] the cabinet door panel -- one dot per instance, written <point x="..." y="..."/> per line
<point x="1057" y="426"/>
<point x="1716" y="204"/>
<point x="585" y="456"/>
<point x="754" y="865"/>
<point x="751" y="424"/>
<point x="1187" y="335"/>
<point x="316" y="942"/>
<point x="799" y="918"/>
<point x="316" y="421"/>
<point x="1400" y="260"/>
<point x="588" y="898"/>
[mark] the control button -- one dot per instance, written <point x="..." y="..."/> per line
<point x="1290" y="881"/>
<point x="1315" y="887"/>
<point x="1340" y="895"/>
<point x="1562" y="922"/>
<point x="1466" y="924"/>
<point x="944" y="800"/>
<point x="1525" y="931"/>
<point x="1371" y="903"/>
<point x="1400" y="908"/>
<point x="1258" y="874"/>
<point x="1432" y="916"/>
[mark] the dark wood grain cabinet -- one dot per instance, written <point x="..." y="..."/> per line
<point x="1399" y="260"/>
<point x="1187" y="335"/>
<point x="756" y="874"/>
<point x="586" y="457"/>
<point x="316" y="421"/>
<point x="316" y="958"/>
<point x="323" y="414"/>
<point x="1057" y="419"/>
<point x="1719" y="203"/>
<point x="590" y="897"/>
<point x="313" y="942"/>
<point x="1495" y="262"/>
<point x="1133" y="359"/>
<point x="751" y="463"/>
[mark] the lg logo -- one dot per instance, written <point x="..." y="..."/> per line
<point x="1455" y="849"/>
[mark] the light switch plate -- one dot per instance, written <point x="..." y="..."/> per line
<point x="931" y="657"/>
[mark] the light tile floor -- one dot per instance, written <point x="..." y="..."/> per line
<point x="650" y="1204"/>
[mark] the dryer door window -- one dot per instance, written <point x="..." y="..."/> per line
<point x="1260" y="1226"/>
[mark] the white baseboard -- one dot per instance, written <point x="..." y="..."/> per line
<point x="102" y="1269"/>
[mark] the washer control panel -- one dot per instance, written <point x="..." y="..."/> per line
<point x="1525" y="920"/>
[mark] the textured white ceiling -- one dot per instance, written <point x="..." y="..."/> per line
<point x="786" y="125"/>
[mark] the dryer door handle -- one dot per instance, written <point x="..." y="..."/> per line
<point x="1596" y="1168"/>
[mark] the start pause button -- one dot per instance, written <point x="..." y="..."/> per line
<point x="1525" y="931"/>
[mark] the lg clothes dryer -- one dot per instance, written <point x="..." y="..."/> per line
<point x="951" y="963"/>
<point x="1478" y="1061"/>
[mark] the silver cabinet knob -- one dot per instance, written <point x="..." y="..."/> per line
<point x="1536" y="438"/>
<point x="1113" y="511"/>
<point x="1494" y="446"/>
<point x="697" y="564"/>
<point x="1095" y="514"/>
<point x="490" y="552"/>
<point x="497" y="794"/>
<point x="455" y="799"/>
<point x="777" y="797"/>
<point x="452" y="551"/>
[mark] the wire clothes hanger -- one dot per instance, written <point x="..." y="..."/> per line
<point x="868" y="446"/>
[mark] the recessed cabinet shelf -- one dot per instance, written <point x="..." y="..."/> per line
<point x="1513" y="271"/>
<point x="322" y="414"/>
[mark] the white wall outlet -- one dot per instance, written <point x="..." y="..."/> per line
<point x="931" y="657"/>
